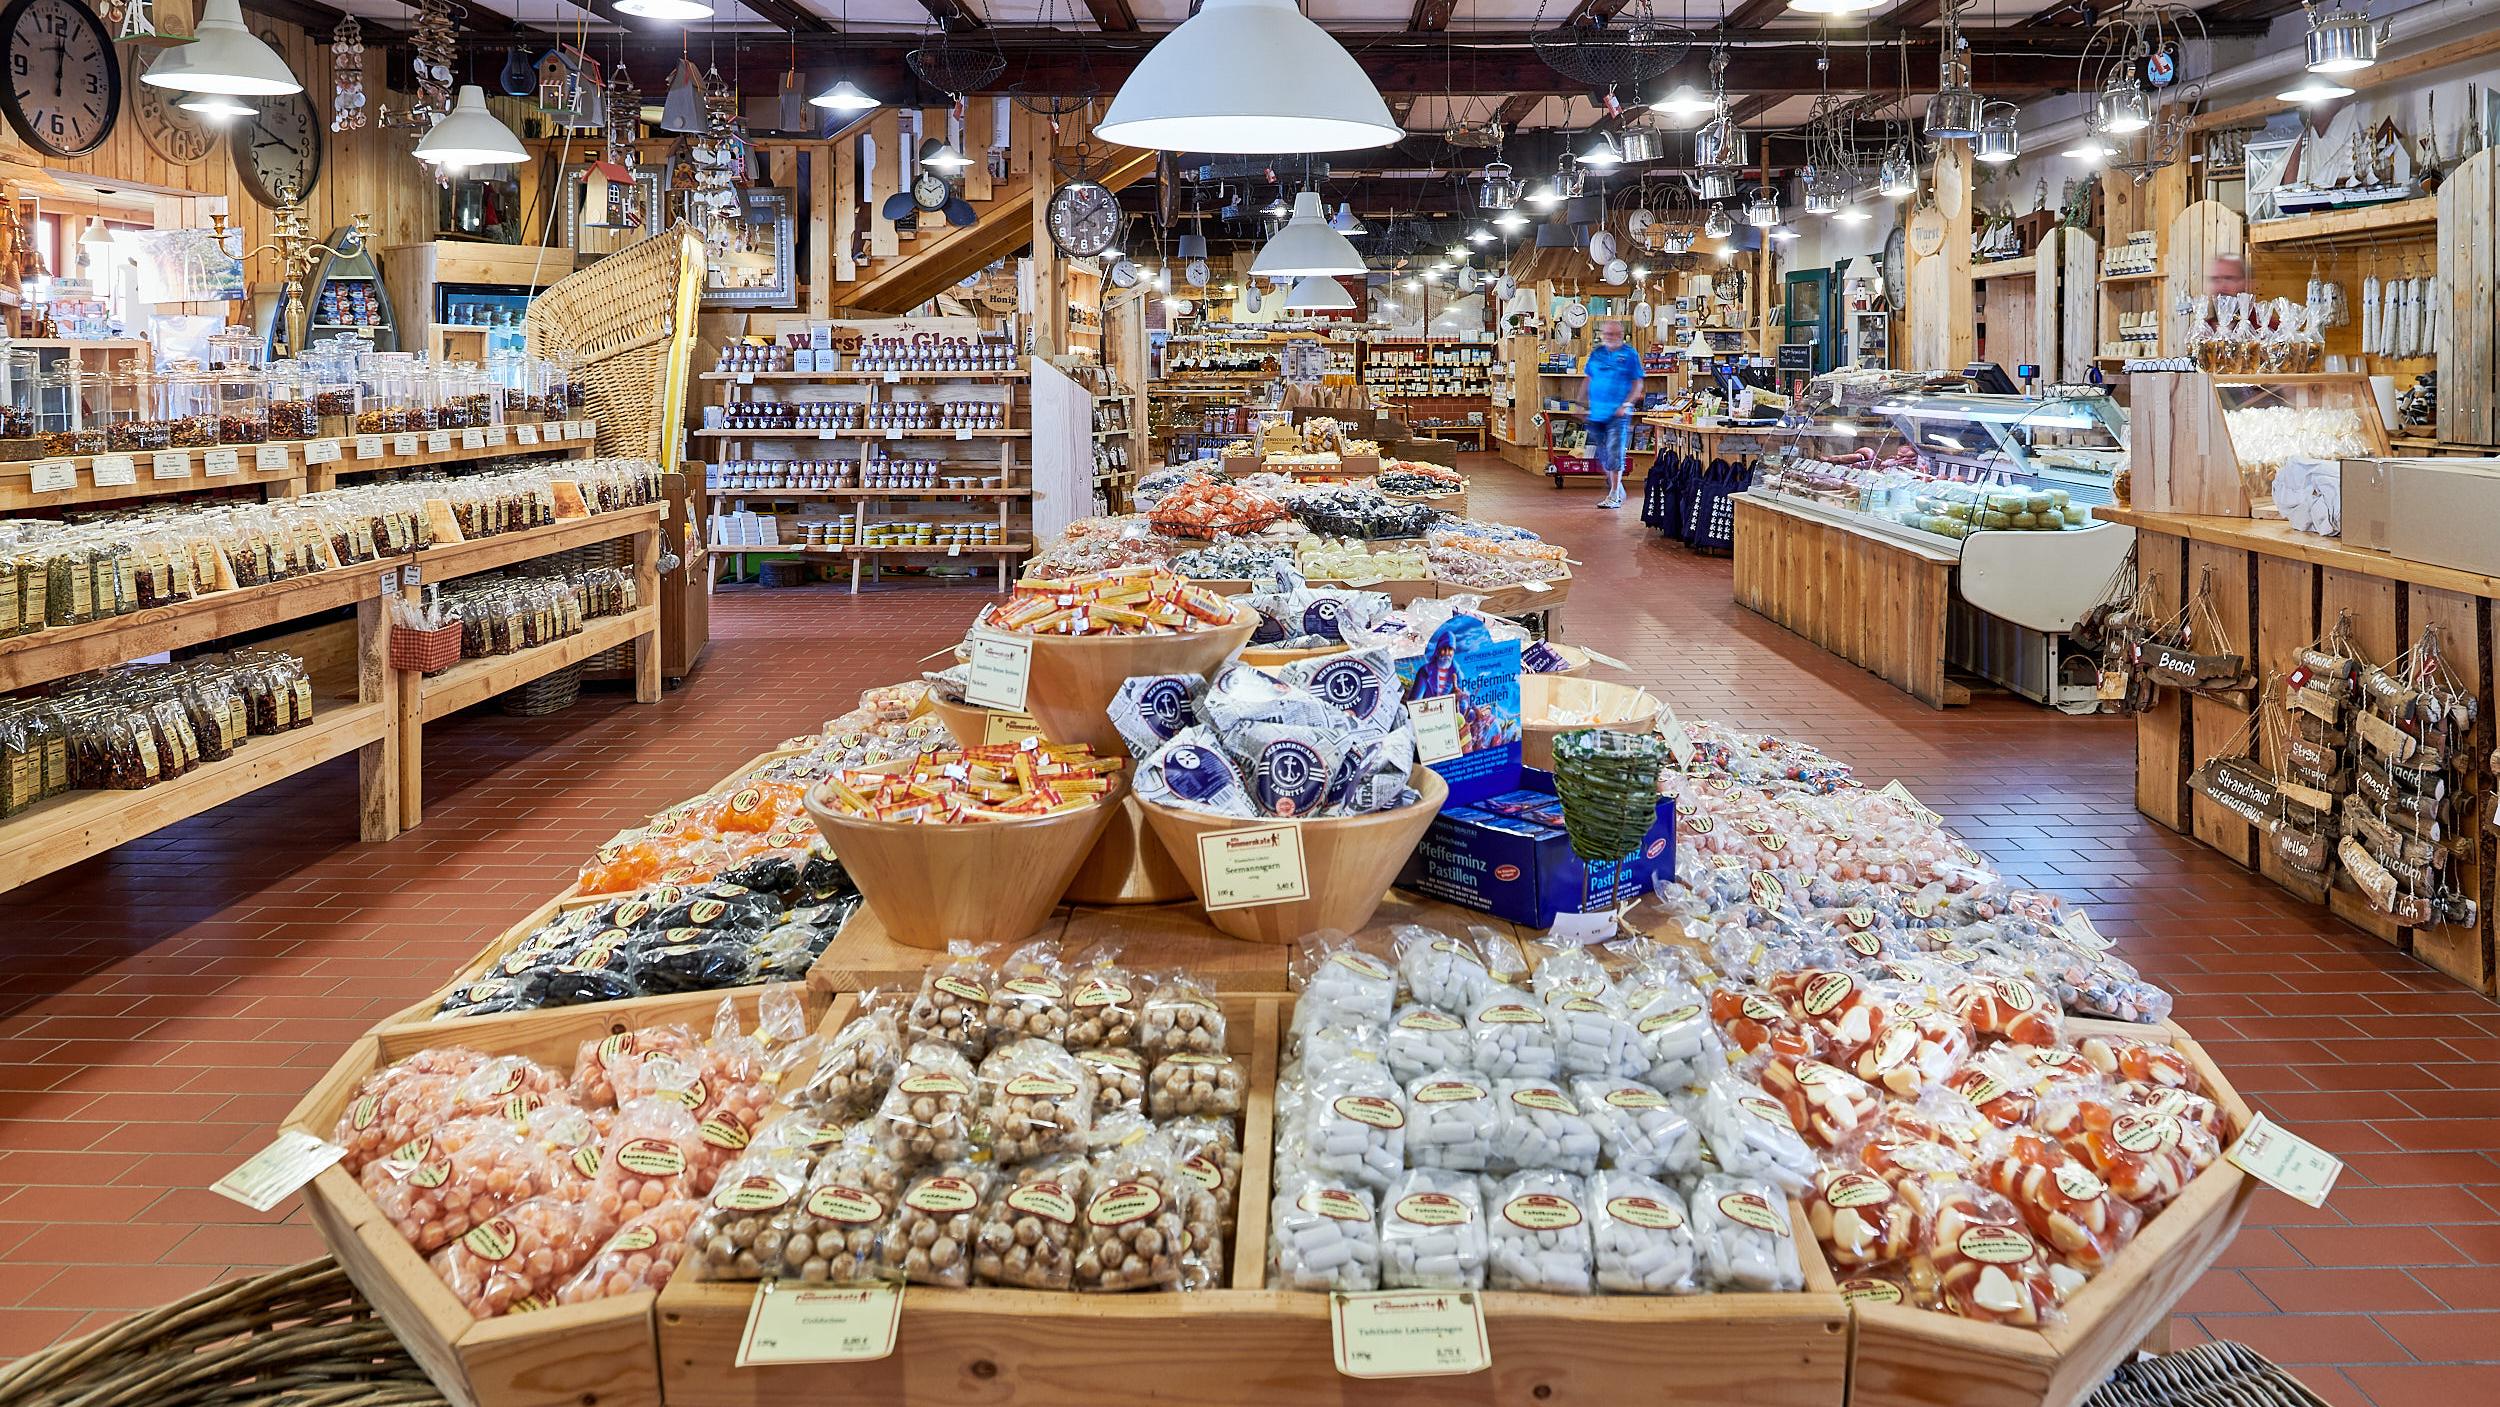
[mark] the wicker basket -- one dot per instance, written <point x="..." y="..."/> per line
<point x="552" y="692"/>
<point x="629" y="322"/>
<point x="299" y="1337"/>
<point x="426" y="651"/>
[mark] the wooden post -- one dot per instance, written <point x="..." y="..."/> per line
<point x="407" y="724"/>
<point x="845" y="158"/>
<point x="1050" y="294"/>
<point x="978" y="115"/>
<point x="377" y="762"/>
<point x="647" y="644"/>
<point x="887" y="132"/>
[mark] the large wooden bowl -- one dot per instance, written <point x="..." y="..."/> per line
<point x="1271" y="656"/>
<point x="969" y="723"/>
<point x="1128" y="865"/>
<point x="1349" y="860"/>
<point x="987" y="882"/>
<point x="1620" y="708"/>
<point x="1069" y="686"/>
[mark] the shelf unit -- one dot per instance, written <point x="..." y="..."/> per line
<point x="283" y="468"/>
<point x="1086" y="289"/>
<point x="986" y="453"/>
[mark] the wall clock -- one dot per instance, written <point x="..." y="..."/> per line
<point x="65" y="84"/>
<point x="172" y="132"/>
<point x="1897" y="268"/>
<point x="929" y="191"/>
<point x="279" y="148"/>
<point x="1084" y="217"/>
<point x="1198" y="273"/>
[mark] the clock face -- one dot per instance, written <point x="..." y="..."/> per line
<point x="1897" y="267"/>
<point x="172" y="132"/>
<point x="278" y="149"/>
<point x="65" y="85"/>
<point x="1123" y="274"/>
<point x="929" y="190"/>
<point x="1198" y="273"/>
<point x="1084" y="218"/>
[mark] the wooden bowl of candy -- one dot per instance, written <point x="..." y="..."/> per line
<point x="974" y="726"/>
<point x="1271" y="656"/>
<point x="1348" y="862"/>
<point x="1551" y="705"/>
<point x="986" y="858"/>
<point x="1130" y="623"/>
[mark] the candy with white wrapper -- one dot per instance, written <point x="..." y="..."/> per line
<point x="1432" y="1232"/>
<point x="1540" y="1236"/>
<point x="1638" y="1129"/>
<point x="1643" y="1234"/>
<point x="1452" y="1119"/>
<point x="1323" y="1234"/>
<point x="1542" y="1127"/>
<point x="1741" y="1228"/>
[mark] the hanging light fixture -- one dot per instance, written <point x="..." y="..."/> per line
<point x="1511" y="220"/>
<point x="469" y="135"/>
<point x="945" y="158"/>
<point x="2143" y="99"/>
<point x="2341" y="40"/>
<point x="1953" y="109"/>
<point x="1783" y="233"/>
<point x="1718" y="224"/>
<point x="1685" y="101"/>
<point x="1762" y="210"/>
<point x="1897" y="177"/>
<point x="215" y="108"/>
<point x="671" y="11"/>
<point x="1599" y="149"/>
<point x="2091" y="149"/>
<point x="2123" y="108"/>
<point x="1998" y="141"/>
<point x="1852" y="214"/>
<point x="1833" y="7"/>
<point x="1306" y="246"/>
<point x="2313" y="88"/>
<point x="1243" y="76"/>
<point x="1346" y="222"/>
<point x="845" y="96"/>
<point x="1192" y="245"/>
<point x="223" y="57"/>
<point x="95" y="243"/>
<point x="1480" y="235"/>
<point x="1276" y="209"/>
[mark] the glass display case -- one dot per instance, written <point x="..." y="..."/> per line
<point x="2078" y="442"/>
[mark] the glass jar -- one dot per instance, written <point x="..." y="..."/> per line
<point x="290" y="388"/>
<point x="190" y="402"/>
<point x="70" y="415"/>
<point x="18" y="393"/>
<point x="136" y="420"/>
<point x="385" y="392"/>
<point x="236" y="347"/>
<point x="425" y="399"/>
<point x="242" y="406"/>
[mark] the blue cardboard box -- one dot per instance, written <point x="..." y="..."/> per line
<point x="1508" y="856"/>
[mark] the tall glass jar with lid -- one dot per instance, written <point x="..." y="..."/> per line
<point x="19" y="398"/>
<point x="190" y="401"/>
<point x="242" y="405"/>
<point x="136" y="417"/>
<point x="292" y="389"/>
<point x="72" y="410"/>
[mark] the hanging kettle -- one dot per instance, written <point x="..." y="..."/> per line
<point x="1640" y="144"/>
<point x="1714" y="185"/>
<point x="1500" y="190"/>
<point x="1719" y="142"/>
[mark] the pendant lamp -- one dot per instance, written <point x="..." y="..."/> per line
<point x="1685" y="101"/>
<point x="844" y="96"/>
<point x="1248" y="76"/>
<point x="1599" y="150"/>
<point x="1762" y="211"/>
<point x="217" y="109"/>
<point x="2341" y="40"/>
<point x="1345" y="221"/>
<point x="679" y="11"/>
<point x="223" y="57"/>
<point x="945" y="159"/>
<point x="1718" y="224"/>
<point x="469" y="135"/>
<point x="1306" y="245"/>
<point x="1192" y="245"/>
<point x="2312" y="88"/>
<point x="1319" y="295"/>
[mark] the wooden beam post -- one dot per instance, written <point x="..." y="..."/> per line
<point x="1943" y="331"/>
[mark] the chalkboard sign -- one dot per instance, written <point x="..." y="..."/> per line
<point x="1796" y="356"/>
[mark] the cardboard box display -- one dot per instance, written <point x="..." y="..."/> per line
<point x="2442" y="511"/>
<point x="2364" y="503"/>
<point x="1463" y="661"/>
<point x="1509" y="856"/>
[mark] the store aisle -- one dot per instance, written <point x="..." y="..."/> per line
<point x="164" y="1005"/>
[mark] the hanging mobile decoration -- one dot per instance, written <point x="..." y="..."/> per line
<point x="569" y="90"/>
<point x="435" y="39"/>
<point x="1608" y="783"/>
<point x="719" y="154"/>
<point x="347" y="75"/>
<point x="130" y="19"/>
<point x="612" y="199"/>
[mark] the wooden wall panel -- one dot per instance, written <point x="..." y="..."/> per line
<point x="2214" y="725"/>
<point x="2370" y="604"/>
<point x="2161" y="736"/>
<point x="2462" y="951"/>
<point x="2287" y="621"/>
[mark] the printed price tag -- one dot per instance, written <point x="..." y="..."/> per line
<point x="472" y="438"/>
<point x="1536" y="586"/>
<point x="894" y="434"/>
<point x="1436" y="728"/>
<point x="53" y="476"/>
<point x="498" y="436"/>
<point x="405" y="444"/>
<point x="2079" y="931"/>
<point x="327" y="451"/>
<point x="113" y="470"/>
<point x="439" y="441"/>
<point x="1252" y="865"/>
<point x="1679" y="738"/>
<point x="1900" y="793"/>
<point x="367" y="447"/>
<point x="1583" y="929"/>
<point x="2286" y="1162"/>
<point x="746" y="378"/>
<point x="221" y="462"/>
<point x="584" y="429"/>
<point x="894" y="378"/>
<point x="828" y="434"/>
<point x="1409" y="1334"/>
<point x="410" y="576"/>
<point x="997" y="671"/>
<point x="788" y="1324"/>
<point x="999" y="728"/>
<point x="390" y="581"/>
<point x="265" y="1178"/>
<point x="526" y="434"/>
<point x="270" y="459"/>
<point x="171" y="464"/>
<point x="964" y="433"/>
<point x="954" y="549"/>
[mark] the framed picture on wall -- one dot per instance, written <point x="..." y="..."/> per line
<point x="753" y="263"/>
<point x="601" y="232"/>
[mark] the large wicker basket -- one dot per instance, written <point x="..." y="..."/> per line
<point x="629" y="323"/>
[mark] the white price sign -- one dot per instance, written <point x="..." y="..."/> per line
<point x="221" y="462"/>
<point x="438" y="442"/>
<point x="526" y="434"/>
<point x="498" y="436"/>
<point x="114" y="470"/>
<point x="52" y="476"/>
<point x="996" y="674"/>
<point x="405" y="444"/>
<point x="327" y="451"/>
<point x="171" y="464"/>
<point x="367" y="447"/>
<point x="472" y="438"/>
<point x="265" y="1179"/>
<point x="270" y="459"/>
<point x="1436" y="728"/>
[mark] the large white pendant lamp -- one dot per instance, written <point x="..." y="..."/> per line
<point x="844" y="96"/>
<point x="1306" y="245"/>
<point x="1246" y="76"/>
<point x="681" y="11"/>
<point x="223" y="57"/>
<point x="469" y="135"/>
<point x="1319" y="295"/>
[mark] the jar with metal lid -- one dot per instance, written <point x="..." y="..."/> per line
<point x="242" y="405"/>
<point x="190" y="404"/>
<point x="385" y="393"/>
<point x="136" y="418"/>
<point x="18" y="396"/>
<point x="69" y="415"/>
<point x="292" y="389"/>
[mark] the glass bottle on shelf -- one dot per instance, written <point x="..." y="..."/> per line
<point x="71" y="416"/>
<point x="293" y="392"/>
<point x="383" y="393"/>
<point x="19" y="395"/>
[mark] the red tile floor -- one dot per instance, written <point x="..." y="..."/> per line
<point x="165" y="1004"/>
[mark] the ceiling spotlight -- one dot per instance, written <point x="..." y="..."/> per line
<point x="1778" y="232"/>
<point x="2090" y="149"/>
<point x="2312" y="88"/>
<point x="1600" y="151"/>
<point x="1548" y="195"/>
<point x="1852" y="214"/>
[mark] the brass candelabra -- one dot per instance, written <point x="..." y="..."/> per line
<point x="298" y="255"/>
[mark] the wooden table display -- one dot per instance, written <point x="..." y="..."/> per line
<point x="1880" y="603"/>
<point x="2292" y="585"/>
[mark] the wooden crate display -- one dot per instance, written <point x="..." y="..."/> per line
<point x="601" y="1354"/>
<point x="1905" y="1357"/>
<point x="2183" y="455"/>
<point x="1250" y="1345"/>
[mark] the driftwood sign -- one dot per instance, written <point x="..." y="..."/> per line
<point x="2240" y="787"/>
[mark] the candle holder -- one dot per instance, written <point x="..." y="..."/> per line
<point x="298" y="255"/>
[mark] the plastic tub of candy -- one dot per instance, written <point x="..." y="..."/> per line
<point x="1550" y="706"/>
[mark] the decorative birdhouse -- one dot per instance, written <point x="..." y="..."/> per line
<point x="570" y="91"/>
<point x="610" y="198"/>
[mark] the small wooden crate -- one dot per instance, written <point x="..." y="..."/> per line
<point x="1905" y="1357"/>
<point x="1257" y="1347"/>
<point x="2180" y="454"/>
<point x="601" y="1354"/>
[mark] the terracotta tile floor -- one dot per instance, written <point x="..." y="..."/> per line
<point x="166" y="1003"/>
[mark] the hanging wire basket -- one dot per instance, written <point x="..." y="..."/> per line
<point x="1623" y="52"/>
<point x="957" y="63"/>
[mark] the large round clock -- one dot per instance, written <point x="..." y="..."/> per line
<point x="1897" y="268"/>
<point x="170" y="130"/>
<point x="65" y="85"/>
<point x="278" y="149"/>
<point x="1084" y="217"/>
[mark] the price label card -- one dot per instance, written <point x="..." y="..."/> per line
<point x="1601" y="657"/>
<point x="115" y="469"/>
<point x="327" y="451"/>
<point x="265" y="1178"/>
<point x="997" y="671"/>
<point x="894" y="434"/>
<point x="171" y="464"/>
<point x="789" y="1324"/>
<point x="746" y="378"/>
<point x="2286" y="1162"/>
<point x="472" y="438"/>
<point x="894" y="378"/>
<point x="439" y="441"/>
<point x="2078" y="930"/>
<point x="221" y="462"/>
<point x="579" y="429"/>
<point x="1436" y="728"/>
<point x="405" y="444"/>
<point x="964" y="434"/>
<point x="411" y="576"/>
<point x="1536" y="586"/>
<point x="1252" y="865"/>
<point x="1583" y="929"/>
<point x="270" y="459"/>
<point x="828" y="434"/>
<point x="498" y="436"/>
<point x="526" y="434"/>
<point x="954" y="549"/>
<point x="367" y="447"/>
<point x="52" y="475"/>
<point x="1679" y="738"/>
<point x="1409" y="1334"/>
<point x="999" y="728"/>
<point x="390" y="581"/>
<point x="1900" y="793"/>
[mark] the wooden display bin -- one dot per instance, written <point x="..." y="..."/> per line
<point x="601" y="1354"/>
<point x="1257" y="1347"/>
<point x="1906" y="1357"/>
<point x="2180" y="451"/>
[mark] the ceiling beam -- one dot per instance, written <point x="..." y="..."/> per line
<point x="1114" y="16"/>
<point x="953" y="15"/>
<point x="1911" y="14"/>
<point x="1751" y="106"/>
<point x="796" y="18"/>
<point x="1751" y="14"/>
<point x="1431" y="16"/>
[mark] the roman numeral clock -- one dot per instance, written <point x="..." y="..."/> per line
<point x="65" y="84"/>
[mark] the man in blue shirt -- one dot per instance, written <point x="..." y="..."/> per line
<point x="1614" y="371"/>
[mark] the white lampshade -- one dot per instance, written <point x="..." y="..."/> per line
<point x="1685" y="101"/>
<point x="665" y="9"/>
<point x="1319" y="295"/>
<point x="2312" y="88"/>
<point x="1306" y="245"/>
<point x="1345" y="221"/>
<point x="1245" y="76"/>
<point x="216" y="109"/>
<point x="946" y="158"/>
<point x="223" y="57"/>
<point x="844" y="97"/>
<point x="1832" y="7"/>
<point x="95" y="237"/>
<point x="469" y="135"/>
<point x="1511" y="220"/>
